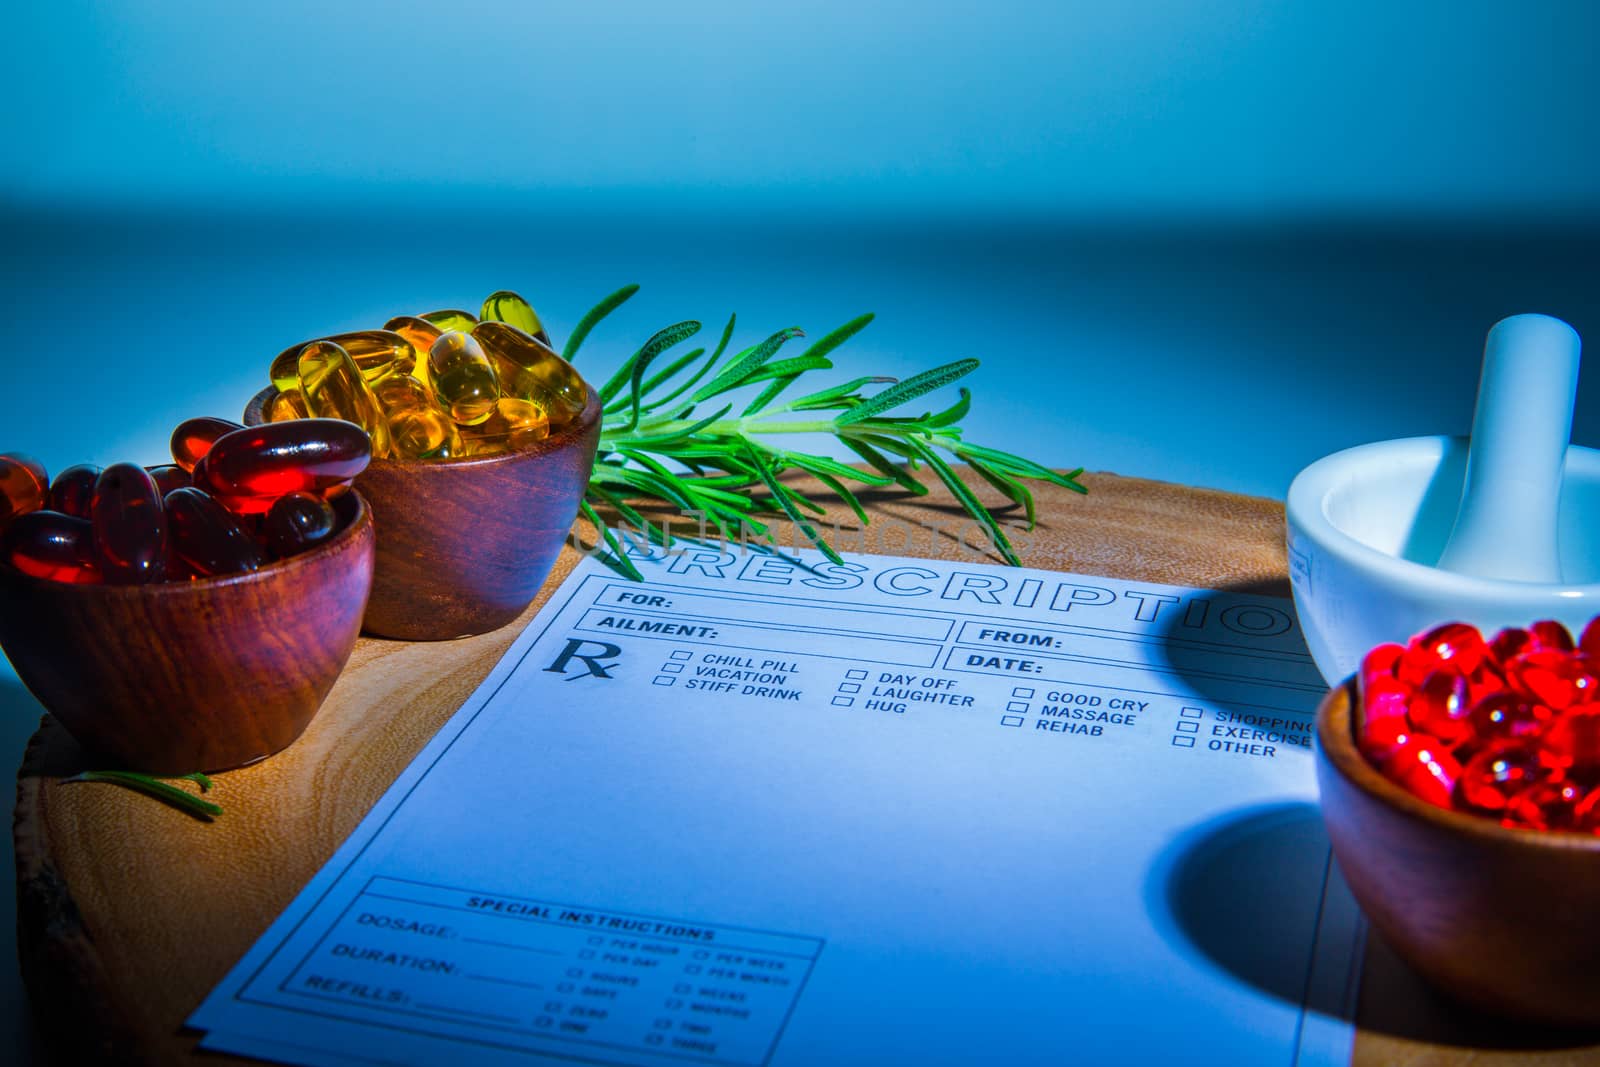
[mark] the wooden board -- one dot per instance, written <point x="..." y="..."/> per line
<point x="129" y="912"/>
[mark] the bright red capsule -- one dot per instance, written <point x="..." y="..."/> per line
<point x="194" y="437"/>
<point x="49" y="544"/>
<point x="130" y="529"/>
<point x="24" y="486"/>
<point x="1441" y="707"/>
<point x="73" y="489"/>
<point x="296" y="522"/>
<point x="208" y="537"/>
<point x="1497" y="773"/>
<point x="1555" y="679"/>
<point x="1546" y="805"/>
<point x="1425" y="768"/>
<point x="250" y="468"/>
<point x="1381" y="662"/>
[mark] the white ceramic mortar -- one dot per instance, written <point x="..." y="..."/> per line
<point x="1368" y="525"/>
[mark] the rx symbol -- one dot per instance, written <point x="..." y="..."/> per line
<point x="594" y="662"/>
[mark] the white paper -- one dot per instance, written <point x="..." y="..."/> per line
<point x="898" y="811"/>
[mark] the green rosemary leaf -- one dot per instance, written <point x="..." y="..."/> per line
<point x="781" y="494"/>
<point x="766" y="396"/>
<point x="592" y="318"/>
<point x="788" y="368"/>
<point x="617" y="560"/>
<point x="746" y="363"/>
<point x="843" y="492"/>
<point x="908" y="390"/>
<point x="833" y="339"/>
<point x="672" y="370"/>
<point x="952" y="414"/>
<point x="658" y="441"/>
<point x="973" y="505"/>
<point x="1017" y="465"/>
<point x="834" y="395"/>
<point x="885" y="466"/>
<point x="659" y="342"/>
<point x="1013" y="490"/>
<point x="727" y="333"/>
<point x="826" y="465"/>
<point x="181" y="799"/>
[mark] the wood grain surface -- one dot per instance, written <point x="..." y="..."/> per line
<point x="129" y="912"/>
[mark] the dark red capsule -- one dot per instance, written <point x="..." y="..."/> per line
<point x="130" y="529"/>
<point x="194" y="437"/>
<point x="48" y="544"/>
<point x="295" y="522"/>
<point x="208" y="537"/>
<point x="345" y="507"/>
<point x="252" y="467"/>
<point x="24" y="485"/>
<point x="169" y="476"/>
<point x="1550" y="635"/>
<point x="73" y="489"/>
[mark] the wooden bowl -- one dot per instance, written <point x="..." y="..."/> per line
<point x="178" y="677"/>
<point x="1506" y="920"/>
<point x="465" y="544"/>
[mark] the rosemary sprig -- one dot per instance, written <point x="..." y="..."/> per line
<point x="181" y="799"/>
<point x="657" y="443"/>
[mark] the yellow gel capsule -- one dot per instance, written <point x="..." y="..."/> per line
<point x="288" y="404"/>
<point x="421" y="333"/>
<point x="417" y="428"/>
<point x="377" y="354"/>
<point x="451" y="319"/>
<point x="516" y="423"/>
<point x="334" y="389"/>
<point x="509" y="308"/>
<point x="531" y="370"/>
<point x="463" y="378"/>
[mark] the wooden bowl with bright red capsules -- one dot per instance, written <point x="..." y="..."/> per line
<point x="1460" y="781"/>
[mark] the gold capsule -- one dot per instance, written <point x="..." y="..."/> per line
<point x="509" y="308"/>
<point x="463" y="378"/>
<point x="421" y="333"/>
<point x="531" y="370"/>
<point x="288" y="404"/>
<point x="418" y="428"/>
<point x="334" y="389"/>
<point x="451" y="319"/>
<point x="377" y="354"/>
<point x="512" y="425"/>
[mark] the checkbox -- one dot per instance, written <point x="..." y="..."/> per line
<point x="843" y="702"/>
<point x="1192" y="713"/>
<point x="849" y="687"/>
<point x="1017" y="705"/>
<point x="1188" y="727"/>
<point x="1022" y="691"/>
<point x="681" y="654"/>
<point x="857" y="675"/>
<point x="1183" y="741"/>
<point x="672" y="668"/>
<point x="693" y="968"/>
<point x="664" y="679"/>
<point x="1011" y="720"/>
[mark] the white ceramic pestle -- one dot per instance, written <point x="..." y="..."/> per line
<point x="1506" y="527"/>
<point x="1373" y="554"/>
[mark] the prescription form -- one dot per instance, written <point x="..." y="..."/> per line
<point x="765" y="809"/>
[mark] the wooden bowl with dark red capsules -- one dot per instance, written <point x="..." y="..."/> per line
<point x="171" y="678"/>
<point x="1504" y="919"/>
<point x="465" y="544"/>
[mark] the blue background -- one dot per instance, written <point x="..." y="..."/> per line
<point x="1199" y="242"/>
